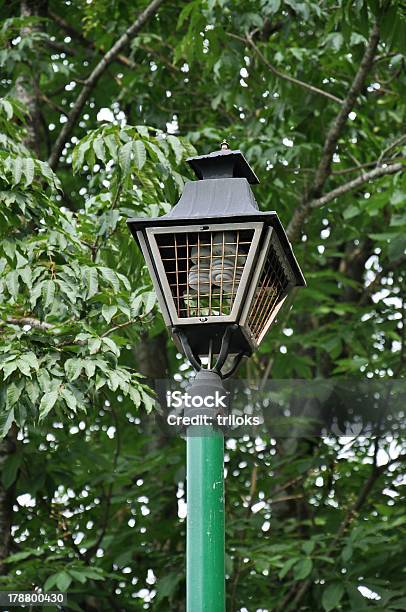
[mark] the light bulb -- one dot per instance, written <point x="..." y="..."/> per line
<point x="216" y="263"/>
<point x="226" y="272"/>
<point x="199" y="279"/>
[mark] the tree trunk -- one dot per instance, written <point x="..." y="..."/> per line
<point x="26" y="87"/>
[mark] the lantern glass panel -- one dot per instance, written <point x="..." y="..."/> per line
<point x="271" y="284"/>
<point x="204" y="268"/>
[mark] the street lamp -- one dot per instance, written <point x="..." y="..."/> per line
<point x="222" y="270"/>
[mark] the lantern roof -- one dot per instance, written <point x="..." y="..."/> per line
<point x="215" y="197"/>
<point x="222" y="164"/>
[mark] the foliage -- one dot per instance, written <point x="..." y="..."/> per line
<point x="311" y="524"/>
<point x="53" y="268"/>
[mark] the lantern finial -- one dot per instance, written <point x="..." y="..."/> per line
<point x="224" y="145"/>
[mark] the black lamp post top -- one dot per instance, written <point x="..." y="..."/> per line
<point x="221" y="268"/>
<point x="225" y="163"/>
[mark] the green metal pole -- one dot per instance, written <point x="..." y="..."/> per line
<point x="205" y="520"/>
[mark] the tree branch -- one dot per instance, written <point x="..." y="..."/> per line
<point x="89" y="44"/>
<point x="357" y="182"/>
<point x="116" y="327"/>
<point x="21" y="321"/>
<point x="338" y="124"/>
<point x="392" y="146"/>
<point x="324" y="168"/>
<point x="371" y="164"/>
<point x="94" y="76"/>
<point x="282" y="75"/>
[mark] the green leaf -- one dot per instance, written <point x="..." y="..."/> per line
<point x="98" y="148"/>
<point x="112" y="346"/>
<point x="332" y="596"/>
<point x="124" y="280"/>
<point x="334" y="41"/>
<point x="124" y="156"/>
<point x="63" y="581"/>
<point x="28" y="170"/>
<point x="21" y="261"/>
<point x="23" y="367"/>
<point x="93" y="573"/>
<point x="142" y="131"/>
<point x="114" y="381"/>
<point x="78" y="154"/>
<point x="73" y="368"/>
<point x="150" y="300"/>
<point x="6" y="421"/>
<point x="31" y="359"/>
<point x="91" y="281"/>
<point x="9" y="248"/>
<point x="176" y="147"/>
<point x="185" y="13"/>
<point x="347" y="553"/>
<point x="10" y="469"/>
<point x="111" y="277"/>
<point x="158" y="154"/>
<point x="47" y="173"/>
<point x="286" y="567"/>
<point x="108" y="312"/>
<point x="140" y="154"/>
<point x="9" y="368"/>
<point x="8" y="109"/>
<point x="167" y="585"/>
<point x="17" y="168"/>
<point x="90" y="368"/>
<point x="35" y="294"/>
<point x="69" y="398"/>
<point x="77" y="575"/>
<point x="273" y="6"/>
<point x="135" y="305"/>
<point x="12" y="283"/>
<point x="13" y="394"/>
<point x="32" y="390"/>
<point x="149" y="403"/>
<point x="308" y="547"/>
<point x="351" y="211"/>
<point x="94" y="345"/>
<point x="48" y="293"/>
<point x="50" y="582"/>
<point x="397" y="247"/>
<point x="24" y="554"/>
<point x="302" y="569"/>
<point x="135" y="396"/>
<point x="26" y="276"/>
<point x="47" y="403"/>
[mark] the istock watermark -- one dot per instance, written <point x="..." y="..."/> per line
<point x="183" y="399"/>
<point x="205" y="410"/>
<point x="335" y="408"/>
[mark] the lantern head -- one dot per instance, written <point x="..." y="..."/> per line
<point x="217" y="263"/>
